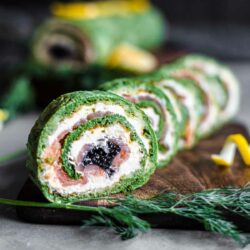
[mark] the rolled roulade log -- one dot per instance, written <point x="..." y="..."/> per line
<point x="208" y="87"/>
<point x="158" y="107"/>
<point x="79" y="41"/>
<point x="228" y="91"/>
<point x="90" y="144"/>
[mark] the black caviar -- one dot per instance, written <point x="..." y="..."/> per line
<point x="102" y="157"/>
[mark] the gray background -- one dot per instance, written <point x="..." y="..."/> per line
<point x="15" y="234"/>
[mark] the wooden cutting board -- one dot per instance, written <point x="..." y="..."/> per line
<point x="190" y="171"/>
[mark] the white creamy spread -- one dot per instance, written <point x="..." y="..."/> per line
<point x="149" y="111"/>
<point x="169" y="139"/>
<point x="213" y="109"/>
<point x="189" y="100"/>
<point x="153" y="116"/>
<point x="233" y="88"/>
<point x="173" y="100"/>
<point x="232" y="85"/>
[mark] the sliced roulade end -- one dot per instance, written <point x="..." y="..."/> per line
<point x="207" y="86"/>
<point x="158" y="107"/>
<point x="90" y="144"/>
<point x="179" y="109"/>
<point x="192" y="101"/>
<point x="229" y="90"/>
<point x="68" y="42"/>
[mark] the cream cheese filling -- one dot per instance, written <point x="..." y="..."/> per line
<point x="136" y="95"/>
<point x="188" y="99"/>
<point x="175" y="104"/>
<point x="232" y="85"/>
<point x="169" y="139"/>
<point x="173" y="100"/>
<point x="213" y="109"/>
<point x="233" y="88"/>
<point x="153" y="116"/>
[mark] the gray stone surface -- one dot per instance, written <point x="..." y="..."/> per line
<point x="15" y="234"/>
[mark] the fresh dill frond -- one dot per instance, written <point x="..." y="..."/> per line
<point x="123" y="215"/>
<point x="124" y="224"/>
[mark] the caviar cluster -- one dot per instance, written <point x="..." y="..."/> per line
<point x="102" y="156"/>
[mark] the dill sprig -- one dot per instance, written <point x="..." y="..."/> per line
<point x="205" y="207"/>
<point x="121" y="220"/>
<point x="123" y="215"/>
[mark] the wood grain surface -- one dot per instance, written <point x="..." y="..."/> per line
<point x="190" y="171"/>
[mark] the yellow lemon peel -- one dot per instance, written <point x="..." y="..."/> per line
<point x="227" y="154"/>
<point x="79" y="10"/>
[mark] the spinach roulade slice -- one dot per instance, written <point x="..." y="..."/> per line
<point x="192" y="101"/>
<point x="229" y="91"/>
<point x="158" y="107"/>
<point x="208" y="87"/>
<point x="90" y="144"/>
